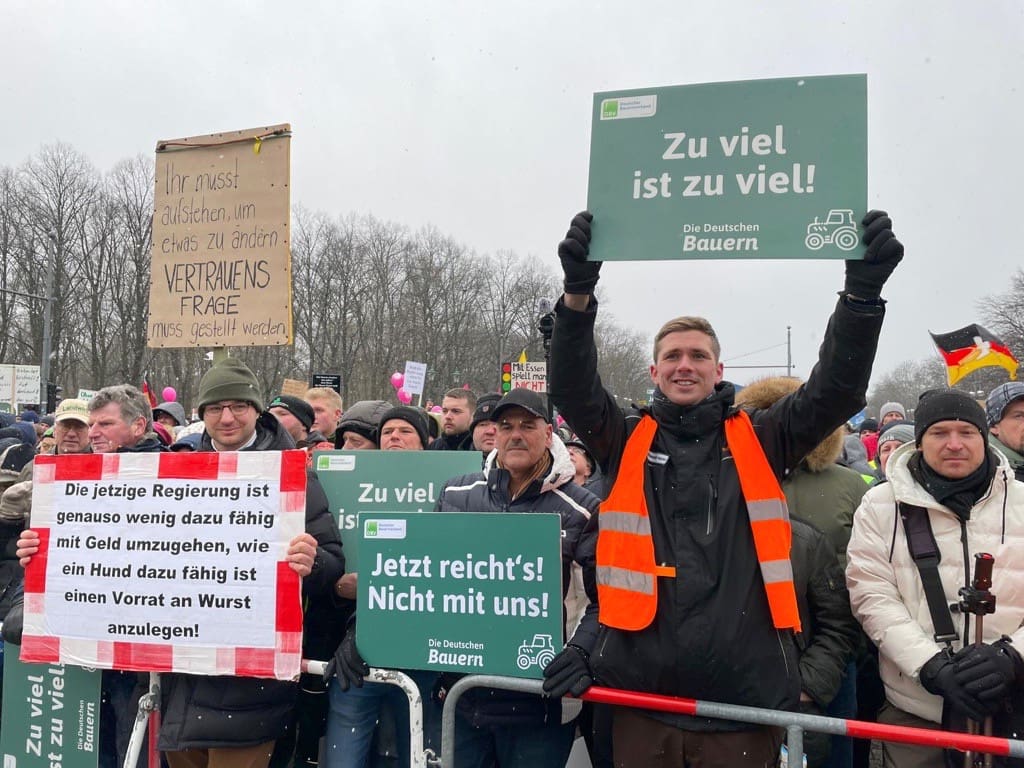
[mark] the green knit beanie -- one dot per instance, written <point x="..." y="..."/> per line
<point x="230" y="379"/>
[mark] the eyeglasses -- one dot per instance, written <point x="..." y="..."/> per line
<point x="237" y="409"/>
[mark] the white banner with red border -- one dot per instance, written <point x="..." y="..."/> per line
<point x="168" y="562"/>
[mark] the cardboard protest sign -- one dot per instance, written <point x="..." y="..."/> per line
<point x="167" y="562"/>
<point x="460" y="592"/>
<point x="385" y="481"/>
<point x="51" y="714"/>
<point x="759" y="169"/>
<point x="221" y="266"/>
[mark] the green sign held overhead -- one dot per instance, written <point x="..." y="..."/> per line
<point x="460" y="592"/>
<point x="51" y="714"/>
<point x="758" y="169"/>
<point x="385" y="481"/>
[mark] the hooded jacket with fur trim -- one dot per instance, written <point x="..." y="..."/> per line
<point x="818" y="477"/>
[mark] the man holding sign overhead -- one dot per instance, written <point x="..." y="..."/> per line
<point x="694" y="578"/>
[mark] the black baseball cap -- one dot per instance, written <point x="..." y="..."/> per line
<point x="527" y="399"/>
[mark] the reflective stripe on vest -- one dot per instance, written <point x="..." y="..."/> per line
<point x="626" y="568"/>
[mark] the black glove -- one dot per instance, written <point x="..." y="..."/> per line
<point x="865" y="278"/>
<point x="580" y="275"/>
<point x="987" y="672"/>
<point x="938" y="676"/>
<point x="347" y="663"/>
<point x="569" y="672"/>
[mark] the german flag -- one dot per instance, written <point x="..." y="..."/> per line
<point x="970" y="348"/>
<point x="147" y="390"/>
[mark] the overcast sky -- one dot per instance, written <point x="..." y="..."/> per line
<point x="475" y="117"/>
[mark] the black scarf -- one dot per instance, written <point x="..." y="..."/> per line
<point x="959" y="495"/>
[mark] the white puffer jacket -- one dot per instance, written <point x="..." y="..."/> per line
<point x="885" y="585"/>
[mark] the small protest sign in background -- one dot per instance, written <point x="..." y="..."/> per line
<point x="758" y="169"/>
<point x="167" y="562"/>
<point x="461" y="592"/>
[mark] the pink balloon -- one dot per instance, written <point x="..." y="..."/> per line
<point x="170" y="394"/>
<point x="403" y="396"/>
<point x="397" y="380"/>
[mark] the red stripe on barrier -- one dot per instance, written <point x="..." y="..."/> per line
<point x="189" y="466"/>
<point x="926" y="738"/>
<point x="603" y="695"/>
<point x="80" y="466"/>
<point x="35" y="572"/>
<point x="293" y="471"/>
<point x="855" y="728"/>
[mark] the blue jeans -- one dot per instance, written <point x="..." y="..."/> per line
<point x="844" y="705"/>
<point x="353" y="714"/>
<point x="513" y="746"/>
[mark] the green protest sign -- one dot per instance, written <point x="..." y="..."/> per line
<point x="51" y="714"/>
<point x="460" y="592"/>
<point x="758" y="169"/>
<point x="385" y="481"/>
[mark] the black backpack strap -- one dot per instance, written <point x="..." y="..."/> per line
<point x="925" y="551"/>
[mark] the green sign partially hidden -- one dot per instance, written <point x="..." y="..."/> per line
<point x="51" y="714"/>
<point x="460" y="592"/>
<point x="759" y="169"/>
<point x="385" y="481"/>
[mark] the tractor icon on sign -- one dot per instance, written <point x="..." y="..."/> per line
<point x="838" y="229"/>
<point x="539" y="651"/>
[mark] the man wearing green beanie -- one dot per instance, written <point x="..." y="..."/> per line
<point x="231" y="406"/>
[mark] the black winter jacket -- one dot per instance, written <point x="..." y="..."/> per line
<point x="221" y="711"/>
<point x="487" y="491"/>
<point x="712" y="637"/>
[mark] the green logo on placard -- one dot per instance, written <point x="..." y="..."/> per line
<point x="371" y="528"/>
<point x="609" y="109"/>
<point x="323" y="462"/>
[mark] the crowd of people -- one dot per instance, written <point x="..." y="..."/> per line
<point x="726" y="544"/>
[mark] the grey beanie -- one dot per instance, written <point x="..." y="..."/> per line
<point x="947" y="405"/>
<point x="229" y="379"/>
<point x="899" y="431"/>
<point x="1000" y="398"/>
<point x="363" y="418"/>
<point x="173" y="409"/>
<point x="892" y="408"/>
<point x="16" y="502"/>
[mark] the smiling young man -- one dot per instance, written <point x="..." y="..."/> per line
<point x="971" y="504"/>
<point x="687" y="608"/>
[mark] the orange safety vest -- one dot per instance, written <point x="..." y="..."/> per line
<point x="627" y="573"/>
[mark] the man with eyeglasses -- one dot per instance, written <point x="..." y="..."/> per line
<point x="1005" y="411"/>
<point x="234" y="721"/>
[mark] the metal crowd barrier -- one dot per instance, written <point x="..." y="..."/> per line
<point x="795" y="723"/>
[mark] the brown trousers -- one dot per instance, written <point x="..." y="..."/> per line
<point x="222" y="757"/>
<point x="639" y="741"/>
<point x="908" y="755"/>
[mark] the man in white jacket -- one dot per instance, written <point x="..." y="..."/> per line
<point x="973" y="505"/>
